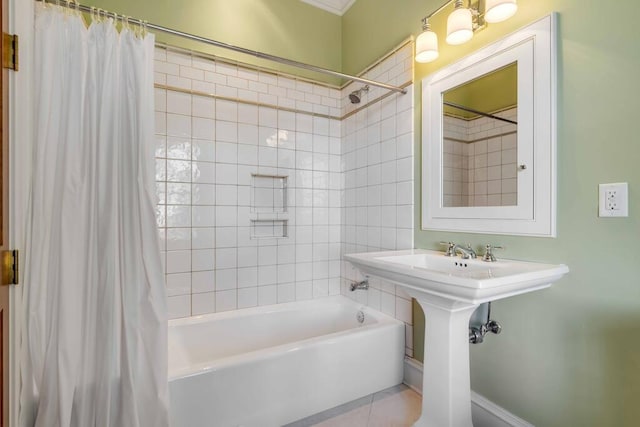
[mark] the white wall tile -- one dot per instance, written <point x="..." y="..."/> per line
<point x="226" y="300"/>
<point x="226" y="279"/>
<point x="203" y="281"/>
<point x="267" y="295"/>
<point x="247" y="297"/>
<point x="203" y="128"/>
<point x="286" y="292"/>
<point x="202" y="259"/>
<point x="178" y="125"/>
<point x="203" y="172"/>
<point x="304" y="291"/>
<point x="178" y="261"/>
<point x="222" y="143"/>
<point x="203" y="150"/>
<point x="226" y="174"/>
<point x="286" y="273"/>
<point x="178" y="284"/>
<point x="202" y="106"/>
<point x="226" y="131"/>
<point x="203" y="216"/>
<point x="247" y="277"/>
<point x="267" y="275"/>
<point x="203" y="194"/>
<point x="178" y="103"/>
<point x="203" y="303"/>
<point x="203" y="238"/>
<point x="179" y="306"/>
<point x="226" y="258"/>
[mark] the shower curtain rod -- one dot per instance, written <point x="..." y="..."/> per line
<point x="471" y="110"/>
<point x="257" y="54"/>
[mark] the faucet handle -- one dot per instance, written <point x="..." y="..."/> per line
<point x="488" y="253"/>
<point x="450" y="246"/>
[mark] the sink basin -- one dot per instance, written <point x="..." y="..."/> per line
<point x="472" y="281"/>
<point x="449" y="289"/>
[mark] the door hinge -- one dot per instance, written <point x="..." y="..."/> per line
<point x="10" y="268"/>
<point x="10" y="51"/>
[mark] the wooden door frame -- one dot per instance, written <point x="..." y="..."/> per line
<point x="21" y="22"/>
<point x="5" y="314"/>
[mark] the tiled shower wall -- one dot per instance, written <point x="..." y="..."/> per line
<point x="208" y="151"/>
<point x="480" y="161"/>
<point x="377" y="147"/>
<point x="349" y="183"/>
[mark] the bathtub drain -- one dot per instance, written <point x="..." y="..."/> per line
<point x="360" y="317"/>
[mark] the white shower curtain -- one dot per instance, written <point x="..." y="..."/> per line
<point x="94" y="344"/>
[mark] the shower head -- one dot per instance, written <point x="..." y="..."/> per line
<point x="355" y="96"/>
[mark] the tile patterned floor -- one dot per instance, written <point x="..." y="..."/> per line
<point x="394" y="407"/>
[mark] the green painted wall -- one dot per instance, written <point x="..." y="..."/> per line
<point x="286" y="28"/>
<point x="568" y="356"/>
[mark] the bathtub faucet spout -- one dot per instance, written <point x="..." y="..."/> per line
<point x="360" y="285"/>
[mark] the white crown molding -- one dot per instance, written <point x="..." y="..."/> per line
<point x="337" y="7"/>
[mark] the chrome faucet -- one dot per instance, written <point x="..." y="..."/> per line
<point x="364" y="284"/>
<point x="465" y="253"/>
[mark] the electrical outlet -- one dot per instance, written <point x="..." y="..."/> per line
<point x="614" y="199"/>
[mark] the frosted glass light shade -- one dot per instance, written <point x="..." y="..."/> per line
<point x="459" y="26"/>
<point x="427" y="47"/>
<point x="499" y="10"/>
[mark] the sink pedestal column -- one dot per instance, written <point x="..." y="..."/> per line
<point x="446" y="386"/>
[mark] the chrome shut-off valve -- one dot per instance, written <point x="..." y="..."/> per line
<point x="476" y="334"/>
<point x="477" y="331"/>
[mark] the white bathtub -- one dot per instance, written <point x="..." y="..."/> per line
<point x="269" y="366"/>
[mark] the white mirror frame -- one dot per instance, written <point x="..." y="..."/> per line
<point x="534" y="47"/>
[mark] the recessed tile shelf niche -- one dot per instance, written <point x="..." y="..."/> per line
<point x="269" y="215"/>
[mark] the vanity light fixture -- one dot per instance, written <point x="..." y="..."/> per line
<point x="427" y="43"/>
<point x="499" y="10"/>
<point x="461" y="24"/>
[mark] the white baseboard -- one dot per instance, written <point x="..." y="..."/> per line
<point x="483" y="412"/>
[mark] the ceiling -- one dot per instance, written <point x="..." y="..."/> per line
<point x="338" y="7"/>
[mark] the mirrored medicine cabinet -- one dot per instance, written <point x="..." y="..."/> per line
<point x="489" y="136"/>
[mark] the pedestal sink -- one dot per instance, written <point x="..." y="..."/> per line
<point x="449" y="289"/>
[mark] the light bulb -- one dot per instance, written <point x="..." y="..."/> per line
<point x="427" y="46"/>
<point x="459" y="26"/>
<point x="499" y="10"/>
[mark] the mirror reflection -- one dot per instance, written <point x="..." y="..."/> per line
<point x="480" y="141"/>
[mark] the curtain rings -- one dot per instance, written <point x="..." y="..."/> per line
<point x="138" y="29"/>
<point x="73" y="6"/>
<point x="141" y="30"/>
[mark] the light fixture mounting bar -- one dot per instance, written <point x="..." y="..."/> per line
<point x="475" y="10"/>
<point x="478" y="17"/>
<point x="438" y="10"/>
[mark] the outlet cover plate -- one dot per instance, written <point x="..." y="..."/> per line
<point x="614" y="199"/>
